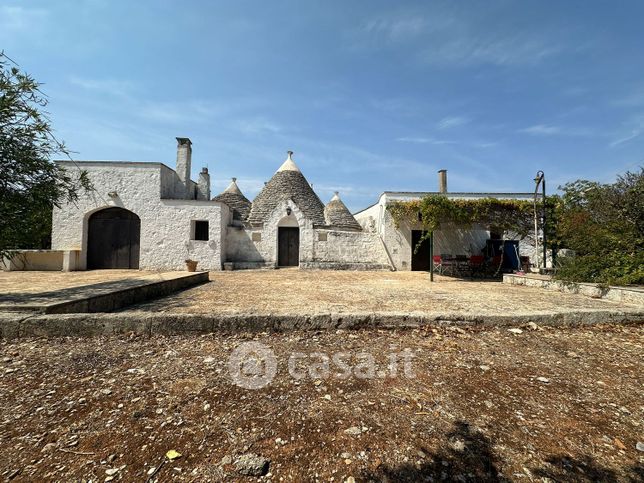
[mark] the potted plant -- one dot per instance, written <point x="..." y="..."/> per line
<point x="192" y="265"/>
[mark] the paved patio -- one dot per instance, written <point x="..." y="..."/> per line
<point x="49" y="293"/>
<point x="292" y="291"/>
<point x="37" y="281"/>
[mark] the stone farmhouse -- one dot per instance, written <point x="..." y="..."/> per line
<point x="148" y="216"/>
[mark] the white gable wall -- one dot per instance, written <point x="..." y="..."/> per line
<point x="165" y="224"/>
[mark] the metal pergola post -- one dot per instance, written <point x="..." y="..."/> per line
<point x="540" y="179"/>
<point x="545" y="250"/>
<point x="431" y="256"/>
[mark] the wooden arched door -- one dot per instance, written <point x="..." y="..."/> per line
<point x="113" y="239"/>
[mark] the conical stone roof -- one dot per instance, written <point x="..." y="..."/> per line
<point x="337" y="214"/>
<point x="287" y="183"/>
<point x="236" y="201"/>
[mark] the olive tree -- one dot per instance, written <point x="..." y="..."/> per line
<point x="30" y="183"/>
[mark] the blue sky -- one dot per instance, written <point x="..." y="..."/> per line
<point x="371" y="95"/>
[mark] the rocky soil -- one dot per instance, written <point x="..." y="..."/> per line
<point x="535" y="404"/>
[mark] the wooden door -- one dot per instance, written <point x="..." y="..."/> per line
<point x="419" y="256"/>
<point x="113" y="239"/>
<point x="288" y="251"/>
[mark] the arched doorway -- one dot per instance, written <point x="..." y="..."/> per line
<point x="113" y="237"/>
<point x="288" y="241"/>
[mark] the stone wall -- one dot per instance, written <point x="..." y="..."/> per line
<point x="257" y="247"/>
<point x="165" y="223"/>
<point x="625" y="295"/>
<point x="259" y="244"/>
<point x="240" y="248"/>
<point x="351" y="250"/>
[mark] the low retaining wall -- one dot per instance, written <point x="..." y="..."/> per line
<point x="343" y="266"/>
<point x="45" y="260"/>
<point x="626" y="295"/>
<point x="146" y="323"/>
<point x="104" y="297"/>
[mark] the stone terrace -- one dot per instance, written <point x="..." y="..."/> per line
<point x="292" y="291"/>
<point x="36" y="281"/>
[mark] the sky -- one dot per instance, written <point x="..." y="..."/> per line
<point x="371" y="96"/>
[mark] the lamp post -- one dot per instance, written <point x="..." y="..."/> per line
<point x="540" y="179"/>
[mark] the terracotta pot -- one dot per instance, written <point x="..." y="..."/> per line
<point x="192" y="265"/>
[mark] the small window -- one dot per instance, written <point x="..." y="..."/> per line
<point x="256" y="237"/>
<point x="322" y="236"/>
<point x="200" y="230"/>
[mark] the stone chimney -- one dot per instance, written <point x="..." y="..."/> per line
<point x="442" y="181"/>
<point x="184" y="162"/>
<point x="203" y="185"/>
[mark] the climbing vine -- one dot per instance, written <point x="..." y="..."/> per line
<point x="432" y="211"/>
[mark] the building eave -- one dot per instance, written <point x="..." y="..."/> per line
<point x="125" y="164"/>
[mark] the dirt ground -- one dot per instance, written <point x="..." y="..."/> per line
<point x="36" y="281"/>
<point x="546" y="404"/>
<point x="292" y="291"/>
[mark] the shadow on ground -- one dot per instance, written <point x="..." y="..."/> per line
<point x="469" y="457"/>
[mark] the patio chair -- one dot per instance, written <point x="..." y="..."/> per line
<point x="477" y="265"/>
<point x="461" y="265"/>
<point x="448" y="264"/>
<point x="438" y="264"/>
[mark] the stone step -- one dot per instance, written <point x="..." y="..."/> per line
<point x="101" y="297"/>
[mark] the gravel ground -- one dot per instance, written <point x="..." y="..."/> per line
<point x="481" y="405"/>
<point x="293" y="291"/>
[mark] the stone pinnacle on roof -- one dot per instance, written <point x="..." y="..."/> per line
<point x="289" y="164"/>
<point x="236" y="201"/>
<point x="288" y="182"/>
<point x="233" y="188"/>
<point x="337" y="214"/>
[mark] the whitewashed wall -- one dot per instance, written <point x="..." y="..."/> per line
<point x="165" y="224"/>
<point x="451" y="240"/>
<point x="341" y="250"/>
<point x="353" y="250"/>
<point x="241" y="246"/>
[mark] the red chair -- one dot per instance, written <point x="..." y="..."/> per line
<point x="438" y="264"/>
<point x="476" y="264"/>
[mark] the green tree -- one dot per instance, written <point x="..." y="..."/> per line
<point x="30" y="183"/>
<point x="604" y="225"/>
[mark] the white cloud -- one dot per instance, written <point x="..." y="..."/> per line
<point x="450" y="122"/>
<point x="463" y="38"/>
<point x="258" y="125"/>
<point x="438" y="142"/>
<point x="113" y="87"/>
<point x="18" y="18"/>
<point x="395" y="29"/>
<point x="423" y="140"/>
<point x="634" y="134"/>
<point x="633" y="99"/>
<point x="542" y="130"/>
<point x="552" y="130"/>
<point x="177" y="112"/>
